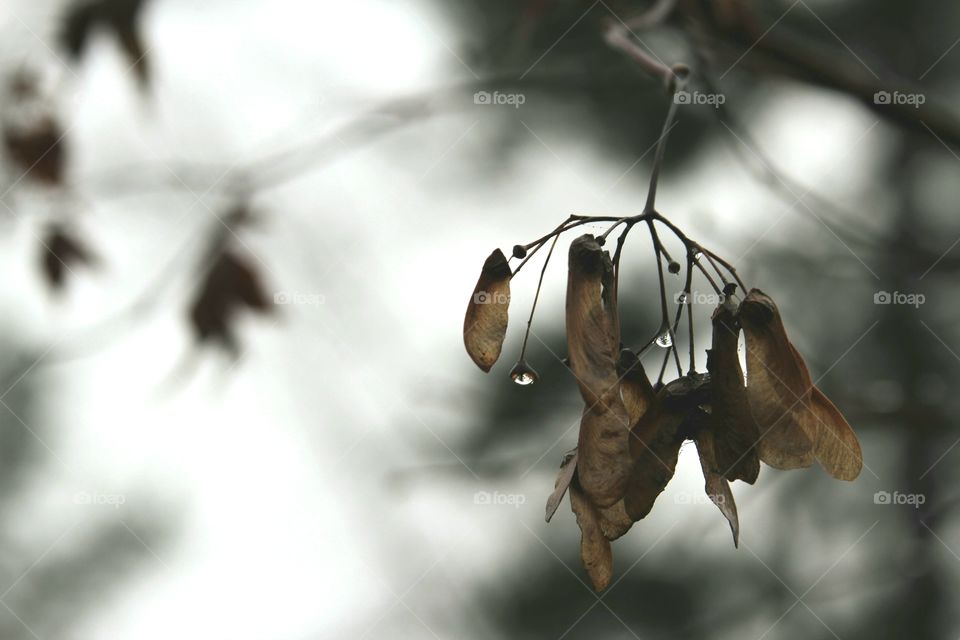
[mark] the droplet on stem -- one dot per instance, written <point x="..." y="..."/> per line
<point x="664" y="340"/>
<point x="523" y="374"/>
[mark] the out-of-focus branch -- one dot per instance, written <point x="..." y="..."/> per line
<point x="619" y="37"/>
<point x="277" y="168"/>
<point x="738" y="39"/>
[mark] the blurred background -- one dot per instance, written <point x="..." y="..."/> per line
<point x="238" y="239"/>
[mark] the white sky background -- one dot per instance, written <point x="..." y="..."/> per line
<point x="277" y="471"/>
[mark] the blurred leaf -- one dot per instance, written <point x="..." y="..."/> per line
<point x="119" y="17"/>
<point x="61" y="250"/>
<point x="38" y="149"/>
<point x="230" y="286"/>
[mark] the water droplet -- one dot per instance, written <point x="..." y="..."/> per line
<point x="664" y="340"/>
<point x="697" y="254"/>
<point x="523" y="374"/>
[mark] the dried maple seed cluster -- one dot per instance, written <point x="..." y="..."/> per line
<point x="631" y="429"/>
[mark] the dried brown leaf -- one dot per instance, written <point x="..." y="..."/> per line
<point x="635" y="389"/>
<point x="604" y="460"/>
<point x="654" y="446"/>
<point x="593" y="348"/>
<point x="614" y="520"/>
<point x="485" y="323"/>
<point x="595" y="550"/>
<point x="807" y="415"/>
<point x="592" y="342"/>
<point x="837" y="449"/>
<point x="736" y="432"/>
<point x="778" y="385"/>
<point x="568" y="467"/>
<point x="715" y="484"/>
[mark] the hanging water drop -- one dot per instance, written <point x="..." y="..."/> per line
<point x="664" y="340"/>
<point x="523" y="374"/>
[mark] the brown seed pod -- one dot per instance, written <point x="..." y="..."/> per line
<point x="595" y="550"/>
<point x="654" y="447"/>
<point x="778" y="385"/>
<point x="485" y="323"/>
<point x="592" y="344"/>
<point x="716" y="485"/>
<point x="810" y="426"/>
<point x="735" y="431"/>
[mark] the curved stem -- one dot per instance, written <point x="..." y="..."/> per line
<point x="716" y="268"/>
<point x="536" y="297"/>
<point x="665" y="326"/>
<point x="679" y="78"/>
<point x="570" y="223"/>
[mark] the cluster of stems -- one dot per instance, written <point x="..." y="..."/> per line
<point x="698" y="257"/>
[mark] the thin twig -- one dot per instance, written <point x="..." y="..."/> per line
<point x="536" y="297"/>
